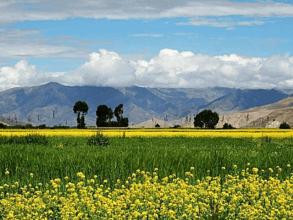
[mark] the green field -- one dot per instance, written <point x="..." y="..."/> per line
<point x="66" y="156"/>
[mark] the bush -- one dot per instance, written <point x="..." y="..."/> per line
<point x="3" y="125"/>
<point x="284" y="125"/>
<point x="98" y="140"/>
<point x="60" y="127"/>
<point x="42" y="126"/>
<point x="227" y="126"/>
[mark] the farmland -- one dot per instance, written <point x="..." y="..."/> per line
<point x="237" y="133"/>
<point x="151" y="174"/>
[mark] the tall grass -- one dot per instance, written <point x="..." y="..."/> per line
<point x="65" y="156"/>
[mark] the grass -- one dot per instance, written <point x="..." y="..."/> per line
<point x="65" y="156"/>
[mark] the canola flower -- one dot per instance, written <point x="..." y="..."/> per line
<point x="235" y="133"/>
<point x="241" y="195"/>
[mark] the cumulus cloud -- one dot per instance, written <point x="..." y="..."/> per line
<point x="22" y="74"/>
<point x="169" y="69"/>
<point x="104" y="68"/>
<point x="24" y="10"/>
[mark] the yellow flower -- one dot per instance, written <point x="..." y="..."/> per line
<point x="6" y="172"/>
<point x="80" y="175"/>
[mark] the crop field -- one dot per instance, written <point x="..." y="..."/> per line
<point x="146" y="174"/>
<point x="234" y="133"/>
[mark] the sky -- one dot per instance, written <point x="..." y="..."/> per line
<point x="166" y="43"/>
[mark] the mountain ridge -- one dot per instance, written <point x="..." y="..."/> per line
<point x="52" y="103"/>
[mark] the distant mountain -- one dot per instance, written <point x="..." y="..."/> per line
<point x="245" y="99"/>
<point x="269" y="116"/>
<point x="52" y="103"/>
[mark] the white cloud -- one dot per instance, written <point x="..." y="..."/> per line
<point x="23" y="10"/>
<point x="104" y="68"/>
<point x="222" y="22"/>
<point x="16" y="43"/>
<point x="22" y="74"/>
<point x="170" y="68"/>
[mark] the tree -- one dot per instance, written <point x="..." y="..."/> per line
<point x="284" y="125"/>
<point x="206" y="119"/>
<point x="124" y="122"/>
<point x="80" y="108"/>
<point x="121" y="121"/>
<point x="104" y="115"/>
<point x="227" y="126"/>
<point x="118" y="112"/>
<point x="157" y="125"/>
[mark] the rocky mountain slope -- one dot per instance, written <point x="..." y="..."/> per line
<point x="52" y="103"/>
<point x="269" y="116"/>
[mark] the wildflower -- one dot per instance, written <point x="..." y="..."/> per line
<point x="80" y="175"/>
<point x="254" y="170"/>
<point x="7" y="172"/>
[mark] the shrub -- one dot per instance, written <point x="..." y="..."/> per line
<point x="227" y="126"/>
<point x="60" y="127"/>
<point x="284" y="125"/>
<point x="42" y="126"/>
<point x="3" y="125"/>
<point x="98" y="140"/>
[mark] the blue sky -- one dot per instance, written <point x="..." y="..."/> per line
<point x="145" y="38"/>
<point x="59" y="36"/>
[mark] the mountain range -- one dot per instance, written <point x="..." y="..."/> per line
<point x="52" y="103"/>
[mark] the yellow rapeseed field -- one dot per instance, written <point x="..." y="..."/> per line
<point x="236" y="133"/>
<point x="241" y="195"/>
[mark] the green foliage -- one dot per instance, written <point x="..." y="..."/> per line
<point x="228" y="126"/>
<point x="42" y="126"/>
<point x="2" y="125"/>
<point x="67" y="156"/>
<point x="206" y="119"/>
<point x="80" y="108"/>
<point x="284" y="125"/>
<point x="118" y="112"/>
<point x="105" y="114"/>
<point x="98" y="140"/>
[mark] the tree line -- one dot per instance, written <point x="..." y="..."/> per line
<point x="104" y="115"/>
<point x="206" y="119"/>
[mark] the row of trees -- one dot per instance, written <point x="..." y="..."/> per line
<point x="104" y="115"/>
<point x="205" y="119"/>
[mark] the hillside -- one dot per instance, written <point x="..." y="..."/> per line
<point x="52" y="103"/>
<point x="269" y="116"/>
